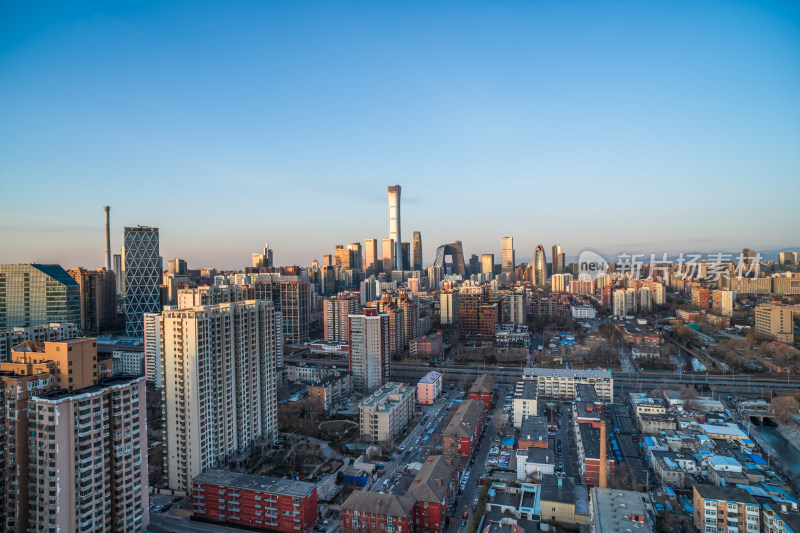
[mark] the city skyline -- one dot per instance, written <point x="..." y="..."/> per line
<point x="562" y="115"/>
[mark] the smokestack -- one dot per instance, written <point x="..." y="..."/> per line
<point x="603" y="462"/>
<point x="108" y="238"/>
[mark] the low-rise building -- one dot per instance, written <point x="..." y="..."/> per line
<point x="482" y="389"/>
<point x="560" y="503"/>
<point x="331" y="390"/>
<point x="616" y="510"/>
<point x="533" y="433"/>
<point x="583" y="311"/>
<point x="655" y="424"/>
<point x="725" y="509"/>
<point x="561" y="383"/>
<point x="255" y="501"/>
<point x="434" y="491"/>
<point x="525" y="402"/>
<point x="375" y="512"/>
<point x="534" y="462"/>
<point x="426" y="345"/>
<point x="460" y="437"/>
<point x="384" y="413"/>
<point x="429" y="388"/>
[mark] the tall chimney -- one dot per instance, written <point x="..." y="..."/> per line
<point x="603" y="483"/>
<point x="108" y="239"/>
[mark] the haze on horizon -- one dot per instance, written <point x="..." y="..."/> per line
<point x="660" y="126"/>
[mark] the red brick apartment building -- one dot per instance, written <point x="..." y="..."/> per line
<point x="460" y="437"/>
<point x="374" y="512"/>
<point x="255" y="501"/>
<point x="434" y="489"/>
<point x="482" y="389"/>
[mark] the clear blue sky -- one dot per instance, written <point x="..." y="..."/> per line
<point x="616" y="125"/>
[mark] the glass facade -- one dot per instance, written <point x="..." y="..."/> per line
<point x="33" y="295"/>
<point x="142" y="277"/>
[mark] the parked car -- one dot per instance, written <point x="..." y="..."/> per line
<point x="463" y="523"/>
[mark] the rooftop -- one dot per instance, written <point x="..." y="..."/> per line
<point x="728" y="494"/>
<point x="287" y="487"/>
<point x="567" y="373"/>
<point x="484" y="384"/>
<point x="431" y="377"/>
<point x="376" y="502"/>
<point x="533" y="428"/>
<point x="557" y="489"/>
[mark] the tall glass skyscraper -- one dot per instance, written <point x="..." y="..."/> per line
<point x="33" y="295"/>
<point x="539" y="266"/>
<point x="507" y="260"/>
<point x="142" y="277"/>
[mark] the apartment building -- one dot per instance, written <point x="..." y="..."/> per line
<point x="34" y="294"/>
<point x="434" y="491"/>
<point x="56" y="331"/>
<point x="725" y="509"/>
<point x="374" y="512"/>
<point x="335" y="313"/>
<point x="615" y="510"/>
<point x="386" y="412"/>
<point x="253" y="501"/>
<point x="448" y="307"/>
<point x="98" y="299"/>
<point x="328" y="392"/>
<point x="460" y="437"/>
<point x="562" y="383"/>
<point x="90" y="446"/>
<point x="483" y="389"/>
<point x="525" y="402"/>
<point x="219" y="367"/>
<point x="722" y="302"/>
<point x="775" y="321"/>
<point x="429" y="388"/>
<point x="369" y="358"/>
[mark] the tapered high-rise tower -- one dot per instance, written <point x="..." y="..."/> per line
<point x="416" y="251"/>
<point x="507" y="259"/>
<point x="107" y="209"/>
<point x="394" y="224"/>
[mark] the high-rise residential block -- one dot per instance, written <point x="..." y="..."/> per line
<point x="435" y="277"/>
<point x="620" y="303"/>
<point x="388" y="256"/>
<point x="91" y="447"/>
<point x="700" y="297"/>
<point x="518" y="307"/>
<point x="470" y="300"/>
<point x="369" y="350"/>
<point x="416" y="251"/>
<point x="775" y="321"/>
<point x="98" y="299"/>
<point x="394" y="227"/>
<point x="560" y="282"/>
<point x="558" y="259"/>
<point x="335" y="314"/>
<point x="507" y="259"/>
<point x="219" y="367"/>
<point x="34" y="295"/>
<point x="722" y="302"/>
<point x="539" y="266"/>
<point x="152" y="348"/>
<point x="74" y="447"/>
<point x="142" y="277"/>
<point x="371" y="264"/>
<point x="448" y="307"/>
<point x="292" y="297"/>
<point x="645" y="299"/>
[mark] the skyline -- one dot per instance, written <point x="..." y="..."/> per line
<point x="227" y="127"/>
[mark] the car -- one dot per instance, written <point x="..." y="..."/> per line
<point x="402" y="447"/>
<point x="463" y="523"/>
<point x="161" y="508"/>
<point x="329" y="514"/>
<point x="175" y="500"/>
<point x="466" y="515"/>
<point x="475" y="502"/>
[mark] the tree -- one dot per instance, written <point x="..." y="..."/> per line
<point x="784" y="406"/>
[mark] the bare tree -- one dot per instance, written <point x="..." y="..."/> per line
<point x="784" y="406"/>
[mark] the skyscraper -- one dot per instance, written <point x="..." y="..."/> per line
<point x="98" y="299"/>
<point x="358" y="261"/>
<point x="388" y="257"/>
<point x="263" y="260"/>
<point x="405" y="249"/>
<point x="394" y="225"/>
<point x="369" y="350"/>
<point x="142" y="277"/>
<point x="558" y="259"/>
<point x="539" y="266"/>
<point x="507" y="260"/>
<point x="518" y="308"/>
<point x="371" y="264"/>
<point x="416" y="244"/>
<point x="33" y="295"/>
<point x="220" y="362"/>
<point x="487" y="263"/>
